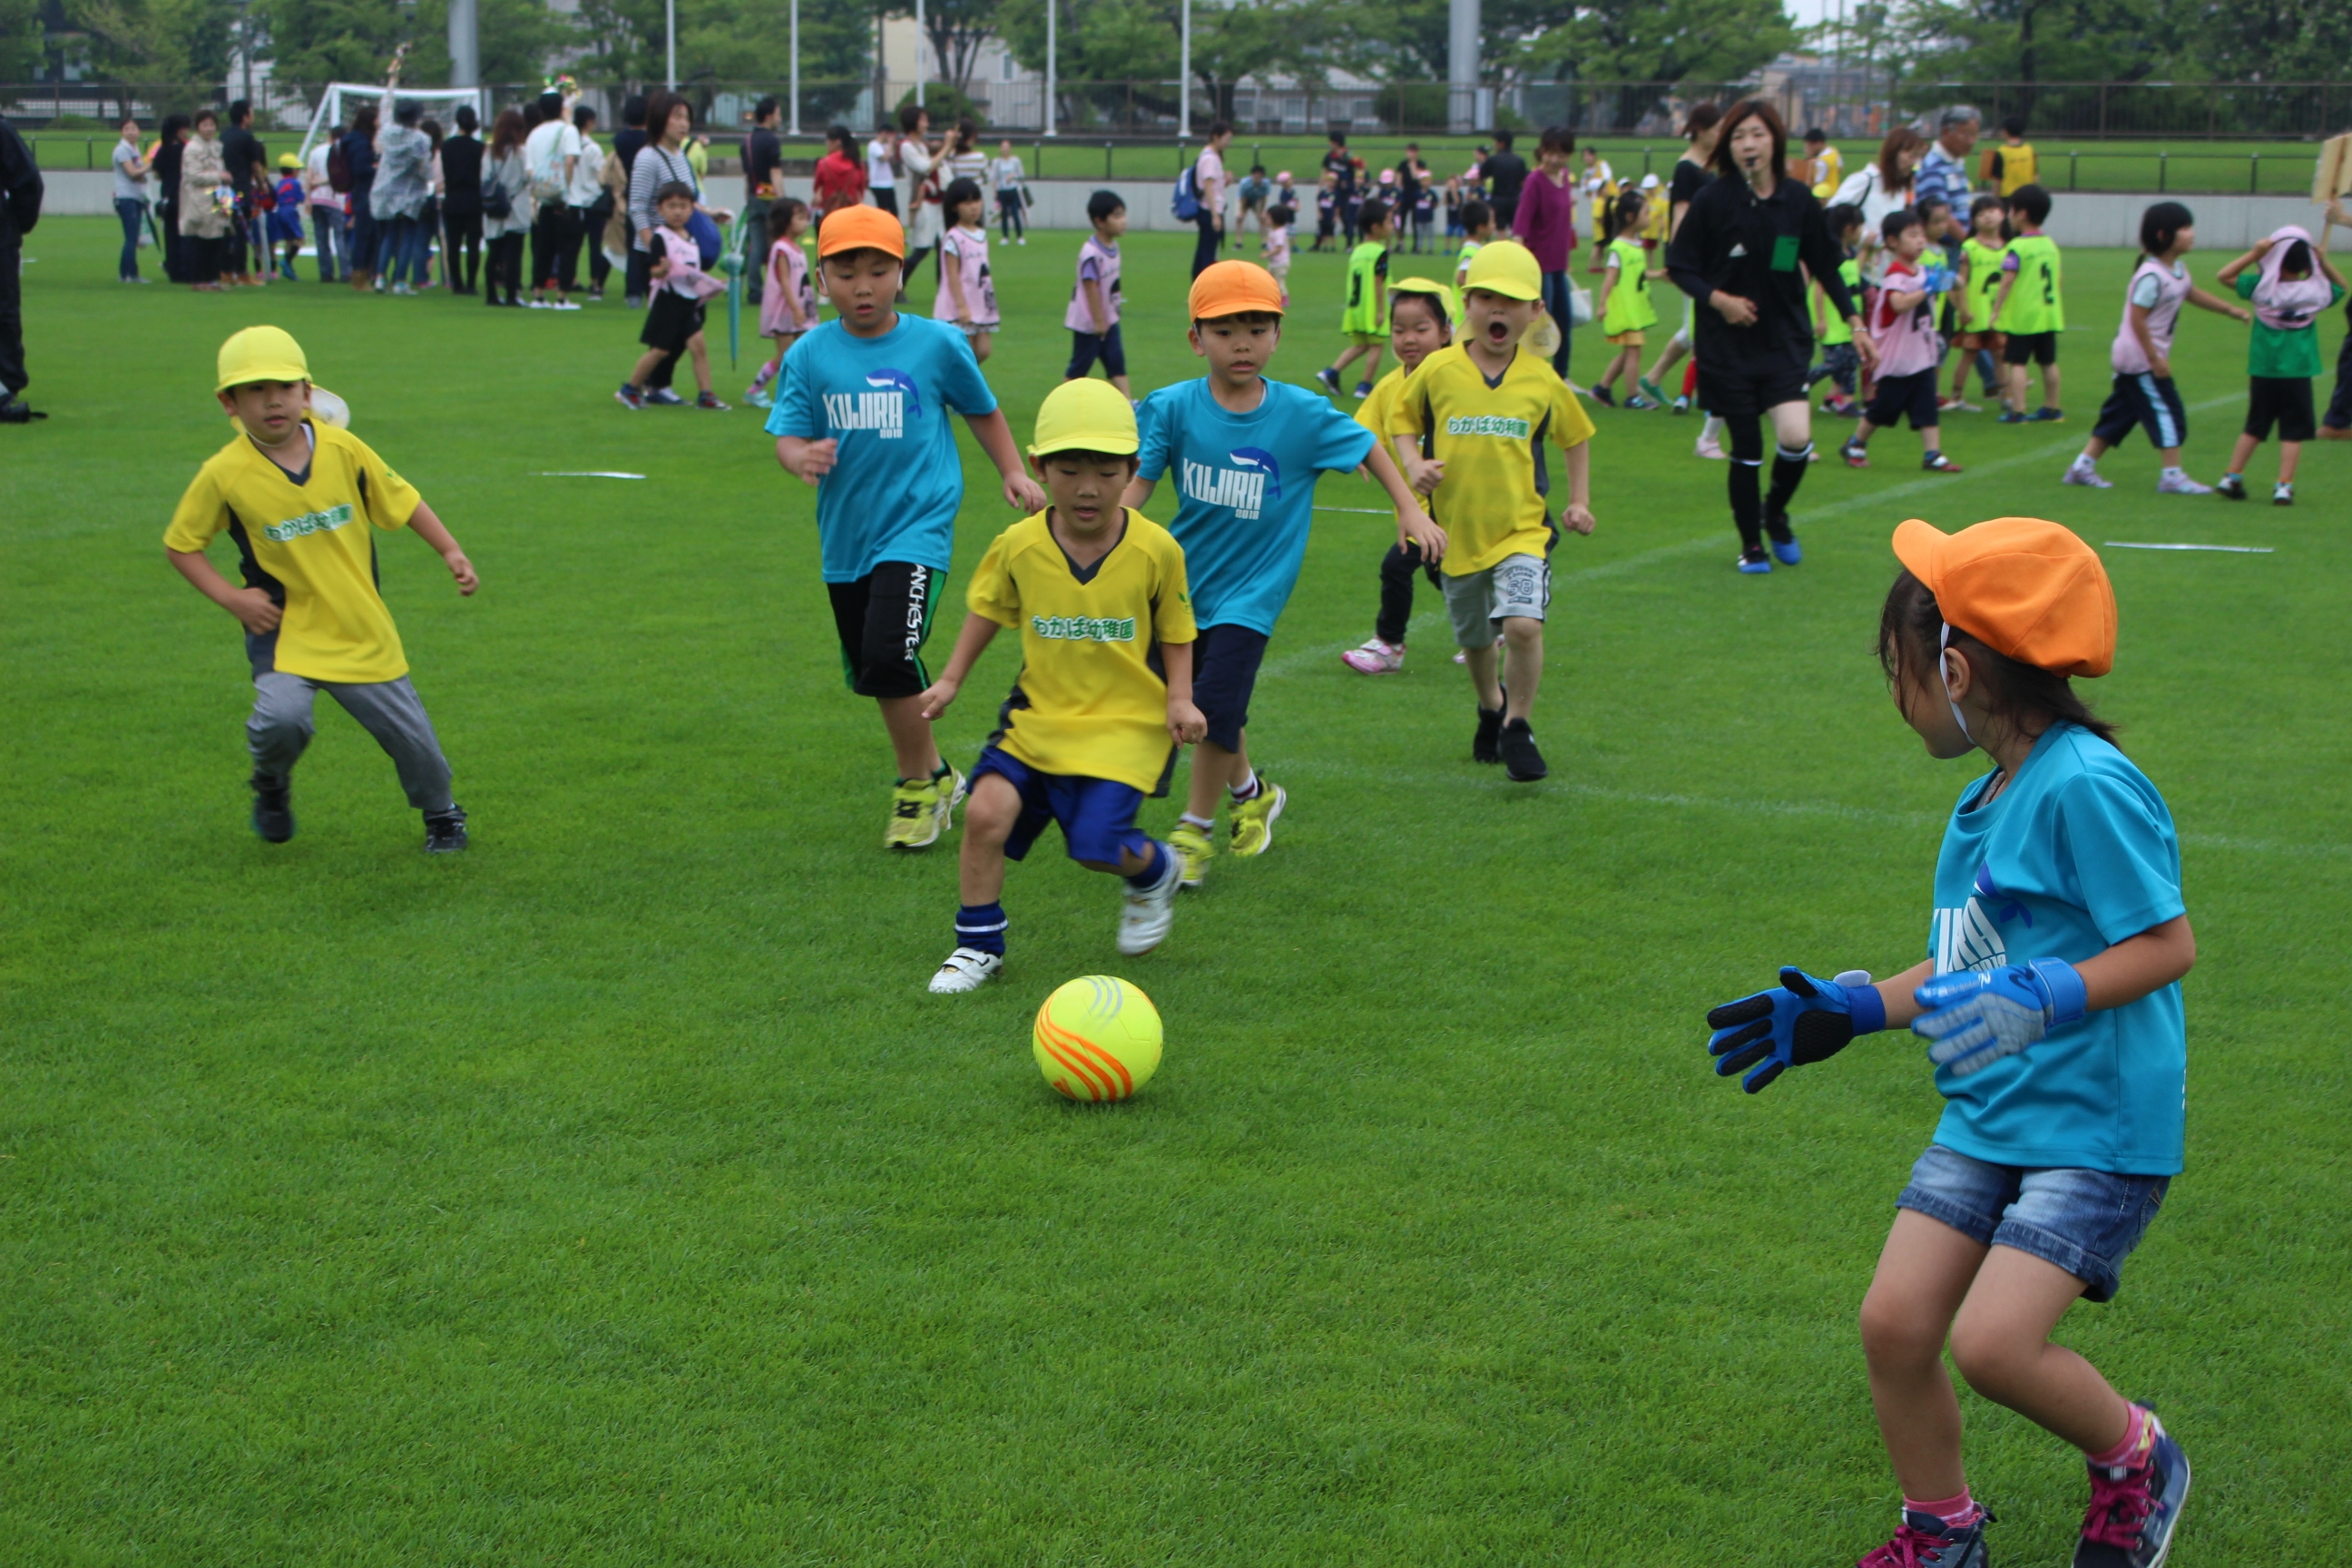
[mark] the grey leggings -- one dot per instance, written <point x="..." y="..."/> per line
<point x="280" y="729"/>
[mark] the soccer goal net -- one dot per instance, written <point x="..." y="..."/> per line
<point x="341" y="99"/>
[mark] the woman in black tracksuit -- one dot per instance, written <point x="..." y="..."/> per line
<point x="1744" y="252"/>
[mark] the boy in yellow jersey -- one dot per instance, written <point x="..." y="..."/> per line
<point x="1366" y="315"/>
<point x="1421" y="322"/>
<point x="1489" y="411"/>
<point x="1981" y="254"/>
<point x="2010" y="166"/>
<point x="1824" y="164"/>
<point x="2031" y="308"/>
<point x="301" y="498"/>
<point x="1105" y="693"/>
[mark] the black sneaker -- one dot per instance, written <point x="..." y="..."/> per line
<point x="2231" y="486"/>
<point x="273" y="808"/>
<point x="445" y="831"/>
<point x="1522" y="763"/>
<point x="1486" y="746"/>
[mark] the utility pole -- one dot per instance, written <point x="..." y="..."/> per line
<point x="464" y="44"/>
<point x="921" y="33"/>
<point x="669" y="39"/>
<point x="796" y="68"/>
<point x="1184" y="77"/>
<point x="1461" y="65"/>
<point x="1053" y="16"/>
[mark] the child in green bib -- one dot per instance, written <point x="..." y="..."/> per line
<point x="1625" y="307"/>
<point x="1841" y="365"/>
<point x="2030" y="309"/>
<point x="1365" y="318"/>
<point x="1981" y="254"/>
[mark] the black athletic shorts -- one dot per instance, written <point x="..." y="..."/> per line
<point x="1897" y="395"/>
<point x="672" y="319"/>
<point x="882" y="619"/>
<point x="2031" y="348"/>
<point x="2283" y="400"/>
<point x="1744" y="392"/>
<point x="1225" y="672"/>
<point x="1088" y="347"/>
<point x="2148" y="401"/>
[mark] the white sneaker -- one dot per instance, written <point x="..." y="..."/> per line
<point x="1143" y="924"/>
<point x="967" y="969"/>
<point x="2082" y="473"/>
<point x="1375" y="657"/>
<point x="2180" y="485"/>
<point x="1708" y="447"/>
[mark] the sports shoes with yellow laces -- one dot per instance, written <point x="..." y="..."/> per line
<point x="1253" y="818"/>
<point x="1193" y="848"/>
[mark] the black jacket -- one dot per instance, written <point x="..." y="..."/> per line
<point x="20" y="186"/>
<point x="1749" y="246"/>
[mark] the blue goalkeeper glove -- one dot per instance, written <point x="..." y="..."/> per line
<point x="1941" y="278"/>
<point x="1976" y="1018"/>
<point x="1801" y="1021"/>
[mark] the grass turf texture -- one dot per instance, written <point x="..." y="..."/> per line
<point x="614" y="1195"/>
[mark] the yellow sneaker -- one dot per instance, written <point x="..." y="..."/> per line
<point x="1193" y="848"/>
<point x="916" y="814"/>
<point x="1253" y="818"/>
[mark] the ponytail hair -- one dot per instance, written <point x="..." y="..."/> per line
<point x="1625" y="212"/>
<point x="2024" y="696"/>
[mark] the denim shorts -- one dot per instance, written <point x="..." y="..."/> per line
<point x="2086" y="1222"/>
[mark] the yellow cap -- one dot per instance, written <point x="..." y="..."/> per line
<point x="1086" y="416"/>
<point x="1443" y="292"/>
<point x="1506" y="267"/>
<point x="261" y="353"/>
<point x="288" y="161"/>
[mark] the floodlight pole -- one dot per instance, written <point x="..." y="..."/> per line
<point x="669" y="39"/>
<point x="796" y="68"/>
<point x="1461" y="65"/>
<point x="464" y="44"/>
<point x="1184" y="77"/>
<point x="920" y="35"/>
<point x="1052" y="14"/>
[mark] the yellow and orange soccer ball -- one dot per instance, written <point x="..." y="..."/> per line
<point x="1098" y="1038"/>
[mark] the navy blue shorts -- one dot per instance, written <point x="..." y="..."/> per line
<point x="1088" y="347"/>
<point x="1098" y="816"/>
<point x="2150" y="402"/>
<point x="1225" y="672"/>
<point x="1897" y="395"/>
<point x="2086" y="1222"/>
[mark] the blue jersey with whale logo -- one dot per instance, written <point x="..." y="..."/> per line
<point x="2076" y="855"/>
<point x="897" y="480"/>
<point x="1245" y="490"/>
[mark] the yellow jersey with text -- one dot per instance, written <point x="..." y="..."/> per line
<point x="308" y="540"/>
<point x="1380" y="408"/>
<point x="1090" y="700"/>
<point x="1491" y="437"/>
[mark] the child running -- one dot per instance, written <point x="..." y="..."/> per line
<point x="2144" y="392"/>
<point x="2051" y="1003"/>
<point x="788" y="302"/>
<point x="2283" y="355"/>
<point x="862" y="414"/>
<point x="1903" y="329"/>
<point x="1421" y="322"/>
<point x="1105" y="693"/>
<point x="1840" y="364"/>
<point x="967" y="291"/>
<point x="1485" y="411"/>
<point x="1981" y="254"/>
<point x="674" y="322"/>
<point x="1093" y="315"/>
<point x="302" y="500"/>
<point x="1367" y="312"/>
<point x="1626" y="312"/>
<point x="1246" y="453"/>
<point x="2030" y="309"/>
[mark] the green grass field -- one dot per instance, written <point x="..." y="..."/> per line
<point x="614" y="1193"/>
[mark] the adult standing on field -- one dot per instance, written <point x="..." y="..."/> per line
<point x="204" y="223"/>
<point x="20" y="209"/>
<point x="359" y="168"/>
<point x="763" y="182"/>
<point x="242" y="151"/>
<point x="129" y="201"/>
<point x="171" y="146"/>
<point x="918" y="161"/>
<point x="1505" y="174"/>
<point x="461" y="205"/>
<point x="1943" y="173"/>
<point x="1209" y="189"/>
<point x="1745" y="246"/>
<point x="552" y="151"/>
<point x="882" y="168"/>
<point x="1881" y="186"/>
<point x="1691" y="174"/>
<point x="628" y="142"/>
<point x="663" y="161"/>
<point x="1546" y="223"/>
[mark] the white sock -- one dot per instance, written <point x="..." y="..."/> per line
<point x="2084" y="460"/>
<point x="2170" y="473"/>
<point x="1711" y="429"/>
<point x="1247" y="791"/>
<point x="1205" y="824"/>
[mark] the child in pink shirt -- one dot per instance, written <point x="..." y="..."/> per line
<point x="787" y="300"/>
<point x="966" y="294"/>
<point x="1903" y="326"/>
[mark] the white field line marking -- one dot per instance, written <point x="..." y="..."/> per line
<point x="584" y="474"/>
<point x="2217" y="549"/>
<point x="1838" y="811"/>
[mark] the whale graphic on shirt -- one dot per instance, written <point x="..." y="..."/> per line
<point x="899" y="381"/>
<point x="1262" y="461"/>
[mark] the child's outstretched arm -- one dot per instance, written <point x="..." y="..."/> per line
<point x="995" y="438"/>
<point x="428" y="527"/>
<point x="252" y="606"/>
<point x="1413" y="523"/>
<point x="2219" y="306"/>
<point x="1576" y="515"/>
<point x="1186" y="724"/>
<point x="970" y="643"/>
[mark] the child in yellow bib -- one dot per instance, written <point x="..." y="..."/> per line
<point x="1421" y="322"/>
<point x="1981" y="255"/>
<point x="1365" y="317"/>
<point x="1105" y="693"/>
<point x="1625" y="307"/>
<point x="2031" y="307"/>
<point x="302" y="500"/>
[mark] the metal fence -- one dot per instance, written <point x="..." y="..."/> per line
<point x="1849" y="102"/>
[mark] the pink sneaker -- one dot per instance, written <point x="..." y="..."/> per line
<point x="1375" y="657"/>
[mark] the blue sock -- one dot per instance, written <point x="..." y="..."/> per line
<point x="1154" y="869"/>
<point x="981" y="927"/>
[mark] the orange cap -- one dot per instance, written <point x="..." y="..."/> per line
<point x="1231" y="287"/>
<point x="861" y="228"/>
<point x="2023" y="587"/>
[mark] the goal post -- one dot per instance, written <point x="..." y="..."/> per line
<point x="341" y="96"/>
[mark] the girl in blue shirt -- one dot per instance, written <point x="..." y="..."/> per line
<point x="2051" y="1000"/>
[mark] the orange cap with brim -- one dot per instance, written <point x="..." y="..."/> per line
<point x="2025" y="588"/>
<point x="1234" y="289"/>
<point x="861" y="228"/>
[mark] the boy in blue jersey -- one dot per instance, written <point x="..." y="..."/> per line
<point x="862" y="412"/>
<point x="1246" y="452"/>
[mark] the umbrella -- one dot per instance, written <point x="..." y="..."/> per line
<point x="730" y="262"/>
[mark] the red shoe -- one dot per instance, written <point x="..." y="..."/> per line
<point x="1926" y="1542"/>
